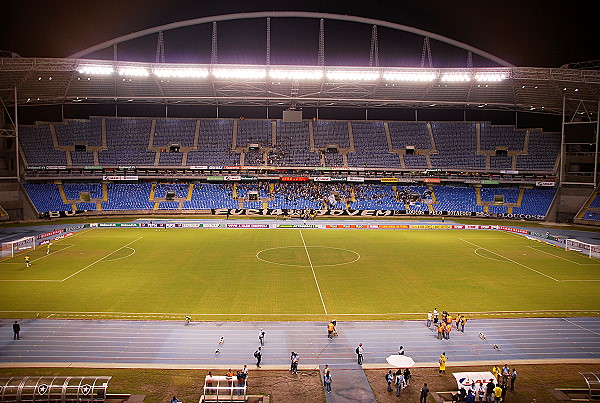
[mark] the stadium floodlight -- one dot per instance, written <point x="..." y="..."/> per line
<point x="292" y="74"/>
<point x="414" y="76"/>
<point x="133" y="72"/>
<point x="96" y="70"/>
<point x="490" y="77"/>
<point x="242" y="73"/>
<point x="181" y="73"/>
<point x="352" y="75"/>
<point x="456" y="77"/>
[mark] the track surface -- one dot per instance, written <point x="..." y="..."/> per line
<point x="169" y="344"/>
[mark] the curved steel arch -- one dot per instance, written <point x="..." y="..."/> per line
<point x="295" y="14"/>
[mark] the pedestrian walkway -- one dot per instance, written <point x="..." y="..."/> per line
<point x="349" y="384"/>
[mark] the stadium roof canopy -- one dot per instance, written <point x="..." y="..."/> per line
<point x="45" y="81"/>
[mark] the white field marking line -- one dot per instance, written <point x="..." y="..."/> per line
<point x="313" y="272"/>
<point x="39" y="258"/>
<point x="563" y="258"/>
<point x="51" y="253"/>
<point x="298" y="265"/>
<point x="421" y="314"/>
<point x="510" y="260"/>
<point x="122" y="257"/>
<point x="491" y="258"/>
<point x="579" y="326"/>
<point x="91" y="264"/>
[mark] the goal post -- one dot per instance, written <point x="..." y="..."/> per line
<point x="12" y="247"/>
<point x="589" y="249"/>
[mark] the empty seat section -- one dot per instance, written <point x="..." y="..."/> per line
<point x="36" y="143"/>
<point x="174" y="131"/>
<point x="208" y="196"/>
<point x="456" y="199"/>
<point x="329" y="132"/>
<point x="456" y="143"/>
<point x="127" y="142"/>
<point x="371" y="147"/>
<point x="493" y="137"/>
<point x="535" y="202"/>
<point x="214" y="144"/>
<point x="254" y="131"/>
<point x="87" y="132"/>
<point x="542" y="152"/>
<point x="46" y="197"/>
<point x="128" y="196"/>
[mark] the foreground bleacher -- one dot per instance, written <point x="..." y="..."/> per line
<point x="205" y="196"/>
<point x="179" y="142"/>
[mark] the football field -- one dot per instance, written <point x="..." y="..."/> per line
<point x="297" y="274"/>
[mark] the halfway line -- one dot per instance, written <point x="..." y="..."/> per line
<point x="313" y="272"/>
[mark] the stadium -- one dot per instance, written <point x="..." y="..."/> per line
<point x="160" y="207"/>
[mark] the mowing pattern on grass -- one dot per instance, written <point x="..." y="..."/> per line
<point x="289" y="274"/>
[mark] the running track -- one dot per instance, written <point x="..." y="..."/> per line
<point x="170" y="344"/>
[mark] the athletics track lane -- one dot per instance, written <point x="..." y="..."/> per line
<point x="169" y="344"/>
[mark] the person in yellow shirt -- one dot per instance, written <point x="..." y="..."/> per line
<point x="442" y="362"/>
<point x="496" y="372"/>
<point x="27" y="260"/>
<point x="330" y="330"/>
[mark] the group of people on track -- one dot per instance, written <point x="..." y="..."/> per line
<point x="443" y="324"/>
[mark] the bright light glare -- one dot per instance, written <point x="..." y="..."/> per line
<point x="410" y="76"/>
<point x="456" y="77"/>
<point x="239" y="73"/>
<point x="296" y="74"/>
<point x="96" y="70"/>
<point x="181" y="73"/>
<point x="490" y="77"/>
<point x="133" y="71"/>
<point x="354" y="75"/>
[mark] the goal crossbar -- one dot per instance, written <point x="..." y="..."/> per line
<point x="589" y="249"/>
<point x="11" y="247"/>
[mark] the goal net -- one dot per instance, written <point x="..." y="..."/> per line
<point x="13" y="247"/>
<point x="587" y="248"/>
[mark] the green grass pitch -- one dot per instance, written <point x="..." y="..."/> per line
<point x="292" y="274"/>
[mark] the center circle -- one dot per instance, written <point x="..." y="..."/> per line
<point x="315" y="256"/>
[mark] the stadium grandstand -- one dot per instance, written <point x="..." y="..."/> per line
<point x="276" y="139"/>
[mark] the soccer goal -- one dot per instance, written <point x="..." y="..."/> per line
<point x="12" y="247"/>
<point x="586" y="248"/>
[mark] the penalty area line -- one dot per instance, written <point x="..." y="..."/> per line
<point x="510" y="260"/>
<point x="99" y="260"/>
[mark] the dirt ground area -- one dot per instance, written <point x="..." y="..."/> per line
<point x="533" y="382"/>
<point x="284" y="387"/>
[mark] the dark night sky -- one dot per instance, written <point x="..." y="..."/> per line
<point x="525" y="33"/>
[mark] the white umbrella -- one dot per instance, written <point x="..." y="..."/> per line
<point x="400" y="361"/>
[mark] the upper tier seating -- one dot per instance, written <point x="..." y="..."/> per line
<point x="127" y="141"/>
<point x="254" y="131"/>
<point x="371" y="147"/>
<point x="293" y="146"/>
<point x="456" y="143"/>
<point x="144" y="142"/>
<point x="37" y="146"/>
<point x="88" y="132"/>
<point x="214" y="144"/>
<point x="174" y="131"/>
